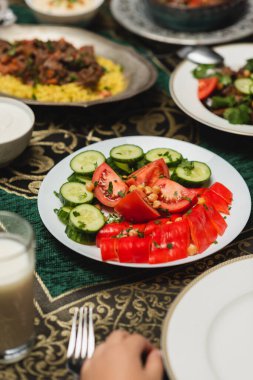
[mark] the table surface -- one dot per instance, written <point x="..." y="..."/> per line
<point x="122" y="297"/>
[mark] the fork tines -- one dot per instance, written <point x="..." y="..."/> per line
<point x="82" y="338"/>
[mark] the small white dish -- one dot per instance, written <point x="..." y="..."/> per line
<point x="16" y="126"/>
<point x="57" y="14"/>
<point x="222" y="171"/>
<point x="208" y="331"/>
<point x="183" y="89"/>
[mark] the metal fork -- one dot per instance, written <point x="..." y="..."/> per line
<point x="82" y="339"/>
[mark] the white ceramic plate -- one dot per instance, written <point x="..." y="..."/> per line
<point x="222" y="172"/>
<point x="208" y="332"/>
<point x="183" y="89"/>
<point x="133" y="15"/>
<point x="139" y="73"/>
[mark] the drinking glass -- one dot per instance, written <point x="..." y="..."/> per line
<point x="17" y="261"/>
<point x="3" y="9"/>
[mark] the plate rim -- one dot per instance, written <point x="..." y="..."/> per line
<point x="152" y="77"/>
<point x="177" y="300"/>
<point x="187" y="260"/>
<point x="224" y="124"/>
<point x="176" y="40"/>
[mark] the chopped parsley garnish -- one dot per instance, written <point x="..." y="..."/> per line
<point x="75" y="213"/>
<point x="110" y="188"/>
<point x="113" y="218"/>
<point x="56" y="194"/>
<point x="121" y="194"/>
<point x="169" y="245"/>
<point x="81" y="225"/>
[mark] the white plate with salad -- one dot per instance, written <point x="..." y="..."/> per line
<point x="184" y="90"/>
<point x="57" y="193"/>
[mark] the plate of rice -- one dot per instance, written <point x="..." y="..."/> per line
<point x="51" y="65"/>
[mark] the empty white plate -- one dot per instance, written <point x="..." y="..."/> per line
<point x="208" y="332"/>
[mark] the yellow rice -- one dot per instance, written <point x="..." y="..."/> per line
<point x="113" y="80"/>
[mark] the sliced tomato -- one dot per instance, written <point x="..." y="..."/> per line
<point x="197" y="223"/>
<point x="206" y="86"/>
<point x="170" y="242"/>
<point x="222" y="191"/>
<point x="109" y="187"/>
<point x="109" y="249"/>
<point x="135" y="209"/>
<point x="110" y="230"/>
<point x="149" y="174"/>
<point x="217" y="201"/>
<point x="174" y="197"/>
<point x="216" y="219"/>
<point x="134" y="249"/>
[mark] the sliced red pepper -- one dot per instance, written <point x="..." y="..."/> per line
<point x="110" y="230"/>
<point x="222" y="191"/>
<point x="197" y="223"/>
<point x="135" y="209"/>
<point x="216" y="200"/>
<point x="154" y="224"/>
<point x="215" y="217"/>
<point x="170" y="242"/>
<point x="108" y="247"/>
<point x="134" y="249"/>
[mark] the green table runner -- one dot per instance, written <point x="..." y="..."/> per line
<point x="122" y="298"/>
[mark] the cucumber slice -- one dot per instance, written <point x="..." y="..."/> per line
<point x="86" y="162"/>
<point x="128" y="153"/>
<point x="244" y="85"/>
<point x="86" y="219"/>
<point x="75" y="177"/>
<point x="78" y="236"/>
<point x="63" y="214"/>
<point x="119" y="167"/>
<point x="198" y="176"/>
<point x="74" y="193"/>
<point x="170" y="156"/>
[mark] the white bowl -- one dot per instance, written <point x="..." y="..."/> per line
<point x="55" y="15"/>
<point x="16" y="126"/>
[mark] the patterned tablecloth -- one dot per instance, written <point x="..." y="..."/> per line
<point x="122" y="298"/>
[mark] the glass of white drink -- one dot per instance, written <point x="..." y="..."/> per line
<point x="17" y="260"/>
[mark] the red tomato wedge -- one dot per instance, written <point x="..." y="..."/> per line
<point x="216" y="219"/>
<point x="174" y="197"/>
<point x="170" y="242"/>
<point x="206" y="86"/>
<point x="217" y="201"/>
<point x="110" y="230"/>
<point x="109" y="187"/>
<point x="135" y="209"/>
<point x="197" y="223"/>
<point x="222" y="191"/>
<point x="149" y="174"/>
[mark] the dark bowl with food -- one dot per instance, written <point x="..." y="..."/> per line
<point x="196" y="15"/>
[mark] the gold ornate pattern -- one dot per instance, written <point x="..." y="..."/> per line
<point x="25" y="174"/>
<point x="51" y="142"/>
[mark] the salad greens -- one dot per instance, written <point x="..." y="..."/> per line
<point x="232" y="97"/>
